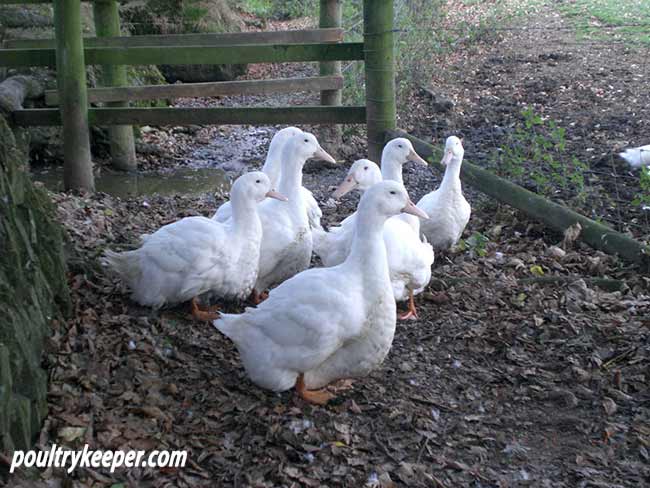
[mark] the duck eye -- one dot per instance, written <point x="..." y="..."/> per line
<point x="393" y="192"/>
<point x="306" y="140"/>
<point x="258" y="181"/>
<point x="365" y="167"/>
<point x="400" y="146"/>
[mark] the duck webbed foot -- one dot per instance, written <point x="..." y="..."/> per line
<point x="212" y="313"/>
<point x="257" y="297"/>
<point x="411" y="312"/>
<point x="318" y="397"/>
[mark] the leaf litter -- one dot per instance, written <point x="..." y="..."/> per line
<point x="505" y="380"/>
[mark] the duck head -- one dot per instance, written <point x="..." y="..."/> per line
<point x="305" y="146"/>
<point x="454" y="150"/>
<point x="255" y="186"/>
<point x="282" y="136"/>
<point x="362" y="175"/>
<point x="272" y="164"/>
<point x="401" y="150"/>
<point x="390" y="198"/>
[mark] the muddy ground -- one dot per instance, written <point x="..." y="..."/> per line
<point x="506" y="380"/>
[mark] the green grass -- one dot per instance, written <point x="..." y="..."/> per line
<point x="590" y="15"/>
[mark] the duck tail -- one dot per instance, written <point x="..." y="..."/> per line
<point x="124" y="264"/>
<point x="228" y="324"/>
<point x="629" y="156"/>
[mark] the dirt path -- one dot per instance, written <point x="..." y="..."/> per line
<point x="499" y="383"/>
<point x="595" y="90"/>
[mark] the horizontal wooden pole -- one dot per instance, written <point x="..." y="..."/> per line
<point x="213" y="89"/>
<point x="552" y="214"/>
<point x="200" y="116"/>
<point x="274" y="53"/>
<point x="226" y="39"/>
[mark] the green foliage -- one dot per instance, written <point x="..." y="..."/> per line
<point x="281" y="9"/>
<point x="589" y="15"/>
<point x="476" y="244"/>
<point x="536" y="150"/>
<point x="643" y="196"/>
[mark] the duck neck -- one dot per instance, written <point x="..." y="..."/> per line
<point x="244" y="215"/>
<point x="391" y="169"/>
<point x="451" y="180"/>
<point x="368" y="250"/>
<point x="273" y="163"/>
<point x="291" y="177"/>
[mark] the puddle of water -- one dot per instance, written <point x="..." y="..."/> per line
<point x="185" y="181"/>
<point x="235" y="149"/>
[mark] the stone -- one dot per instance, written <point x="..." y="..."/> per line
<point x="33" y="288"/>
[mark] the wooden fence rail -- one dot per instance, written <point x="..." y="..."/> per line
<point x="208" y="89"/>
<point x="236" y="54"/>
<point x="200" y="116"/>
<point x="312" y="36"/>
<point x="70" y="53"/>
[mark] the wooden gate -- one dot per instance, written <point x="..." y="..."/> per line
<point x="69" y="52"/>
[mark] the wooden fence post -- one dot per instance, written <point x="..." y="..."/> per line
<point x="380" y="72"/>
<point x="107" y="24"/>
<point x="331" y="15"/>
<point x="71" y="75"/>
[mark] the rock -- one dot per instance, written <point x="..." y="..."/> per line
<point x="165" y="17"/>
<point x="200" y="73"/>
<point x="24" y="18"/>
<point x="29" y="295"/>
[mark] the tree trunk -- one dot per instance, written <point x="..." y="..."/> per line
<point x="555" y="216"/>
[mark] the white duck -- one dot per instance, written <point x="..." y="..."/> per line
<point x="334" y="245"/>
<point x="333" y="249"/>
<point x="395" y="154"/>
<point x="637" y="157"/>
<point x="409" y="258"/>
<point x="448" y="209"/>
<point x="273" y="168"/>
<point x="287" y="243"/>
<point x="196" y="255"/>
<point x="326" y="324"/>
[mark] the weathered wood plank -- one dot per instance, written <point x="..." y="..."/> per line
<point x="201" y="116"/>
<point x="277" y="53"/>
<point x="213" y="89"/>
<point x="228" y="39"/>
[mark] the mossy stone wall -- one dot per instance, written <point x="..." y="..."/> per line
<point x="33" y="290"/>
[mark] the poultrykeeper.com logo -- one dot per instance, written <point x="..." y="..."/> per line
<point x="59" y="457"/>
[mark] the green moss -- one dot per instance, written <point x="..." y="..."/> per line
<point x="146" y="75"/>
<point x="33" y="289"/>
